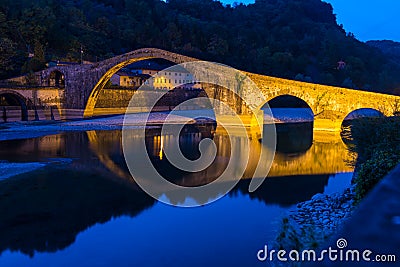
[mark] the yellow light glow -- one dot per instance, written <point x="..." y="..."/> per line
<point x="160" y="154"/>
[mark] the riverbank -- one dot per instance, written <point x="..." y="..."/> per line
<point x="10" y="169"/>
<point x="32" y="129"/>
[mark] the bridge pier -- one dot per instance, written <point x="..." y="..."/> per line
<point x="327" y="125"/>
<point x="252" y="122"/>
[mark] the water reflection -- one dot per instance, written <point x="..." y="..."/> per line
<point x="299" y="152"/>
<point x="44" y="211"/>
<point x="287" y="190"/>
<point x="294" y="137"/>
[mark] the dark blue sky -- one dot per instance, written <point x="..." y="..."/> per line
<point x="366" y="19"/>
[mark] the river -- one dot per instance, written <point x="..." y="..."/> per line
<point x="80" y="207"/>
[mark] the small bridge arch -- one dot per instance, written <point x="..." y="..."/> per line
<point x="13" y="98"/>
<point x="300" y="98"/>
<point x="363" y="112"/>
<point x="55" y="76"/>
<point x="329" y="104"/>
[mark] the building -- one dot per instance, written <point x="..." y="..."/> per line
<point x="128" y="79"/>
<point x="171" y="79"/>
<point x="155" y="75"/>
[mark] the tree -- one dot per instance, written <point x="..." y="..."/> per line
<point x="7" y="53"/>
<point x="273" y="37"/>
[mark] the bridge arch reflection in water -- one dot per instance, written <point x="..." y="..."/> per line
<point x="323" y="155"/>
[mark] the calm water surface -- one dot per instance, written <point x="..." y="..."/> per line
<point x="83" y="209"/>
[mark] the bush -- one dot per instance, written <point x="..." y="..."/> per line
<point x="377" y="142"/>
<point x="371" y="135"/>
<point x="299" y="237"/>
<point x="373" y="170"/>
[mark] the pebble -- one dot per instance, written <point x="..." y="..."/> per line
<point x="325" y="212"/>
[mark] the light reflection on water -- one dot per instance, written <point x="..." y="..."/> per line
<point x="90" y="213"/>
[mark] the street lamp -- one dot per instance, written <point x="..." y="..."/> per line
<point x="81" y="55"/>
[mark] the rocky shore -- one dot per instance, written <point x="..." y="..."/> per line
<point x="325" y="211"/>
<point x="313" y="222"/>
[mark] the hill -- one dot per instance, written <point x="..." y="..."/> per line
<point x="296" y="39"/>
<point x="389" y="48"/>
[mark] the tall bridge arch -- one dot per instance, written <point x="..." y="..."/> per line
<point x="83" y="82"/>
<point x="110" y="66"/>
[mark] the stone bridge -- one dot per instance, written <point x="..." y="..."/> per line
<point x="78" y="87"/>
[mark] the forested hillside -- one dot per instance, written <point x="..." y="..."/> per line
<point x="389" y="48"/>
<point x="296" y="39"/>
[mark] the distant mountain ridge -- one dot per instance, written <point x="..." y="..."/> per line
<point x="388" y="47"/>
